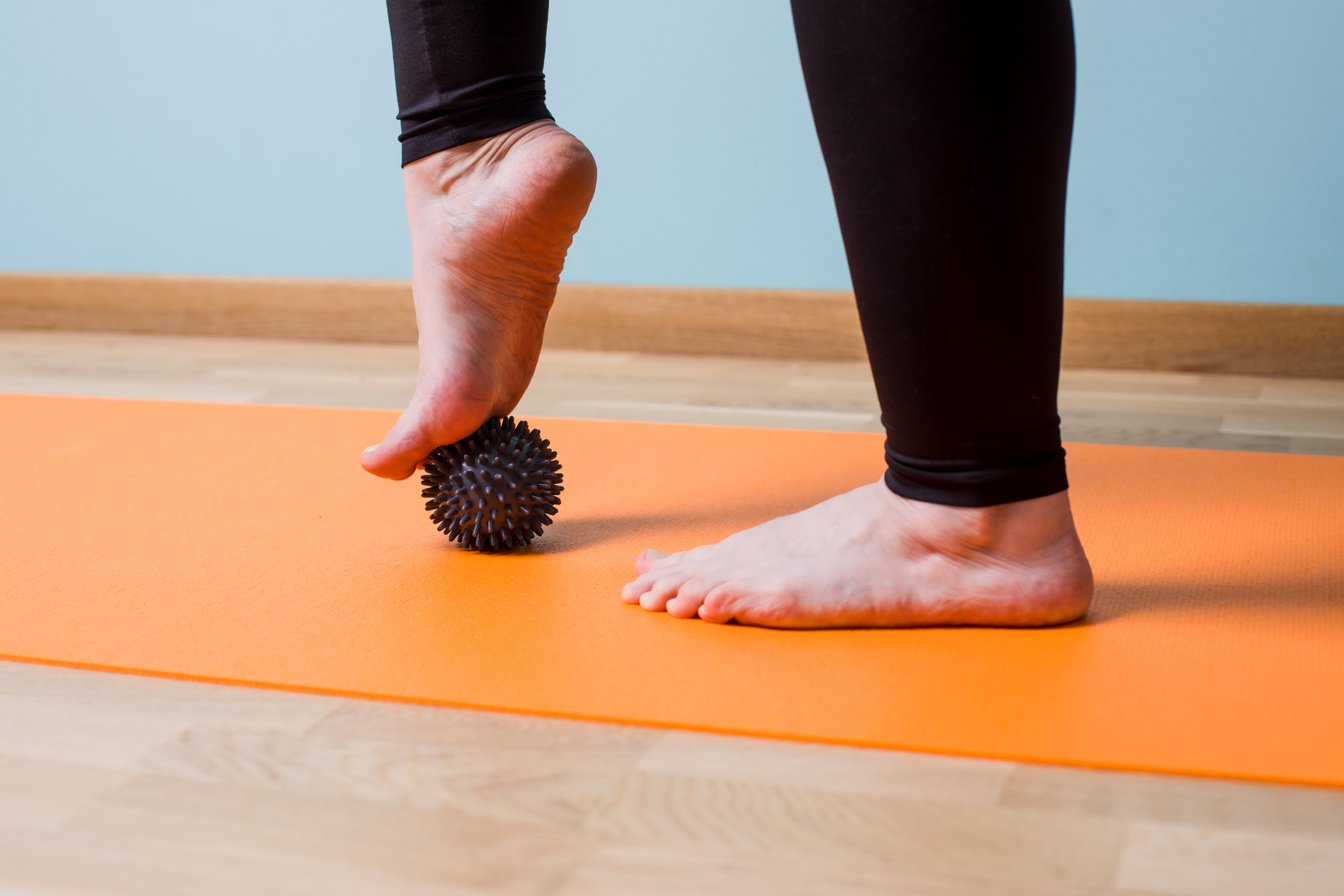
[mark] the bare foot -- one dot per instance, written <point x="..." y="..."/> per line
<point x="490" y="224"/>
<point x="870" y="557"/>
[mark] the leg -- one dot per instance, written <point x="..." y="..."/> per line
<point x="494" y="193"/>
<point x="945" y="127"/>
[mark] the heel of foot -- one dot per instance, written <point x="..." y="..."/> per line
<point x="1065" y="600"/>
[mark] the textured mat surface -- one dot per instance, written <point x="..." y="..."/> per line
<point x="243" y="544"/>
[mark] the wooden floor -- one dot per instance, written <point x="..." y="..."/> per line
<point x="122" y="784"/>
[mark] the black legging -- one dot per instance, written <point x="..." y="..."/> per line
<point x="945" y="127"/>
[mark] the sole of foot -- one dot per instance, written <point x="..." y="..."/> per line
<point x="491" y="223"/>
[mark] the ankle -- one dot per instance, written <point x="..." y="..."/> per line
<point x="436" y="173"/>
<point x="1017" y="527"/>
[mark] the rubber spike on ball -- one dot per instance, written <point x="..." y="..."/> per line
<point x="495" y="490"/>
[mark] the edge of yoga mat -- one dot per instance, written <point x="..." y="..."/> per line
<point x="723" y="439"/>
<point x="672" y="726"/>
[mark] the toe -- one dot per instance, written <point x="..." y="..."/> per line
<point x="689" y="597"/>
<point x="433" y="418"/>
<point x="717" y="605"/>
<point x="635" y="589"/>
<point x="663" y="590"/>
<point x="404" y="447"/>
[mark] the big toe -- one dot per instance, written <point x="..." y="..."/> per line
<point x="404" y="448"/>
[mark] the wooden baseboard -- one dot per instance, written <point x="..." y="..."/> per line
<point x="1214" y="337"/>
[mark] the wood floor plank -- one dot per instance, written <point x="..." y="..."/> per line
<point x="124" y="864"/>
<point x="1313" y="445"/>
<point x="1158" y="383"/>
<point x="1203" y="861"/>
<point x="925" y="839"/>
<point x="1315" y="421"/>
<point x="41" y="794"/>
<point x="129" y="386"/>
<point x="1168" y="799"/>
<point x="483" y="730"/>
<point x="528" y="785"/>
<point x="93" y="720"/>
<point x="249" y="835"/>
<point x="1303" y="391"/>
<point x="668" y="412"/>
<point x="880" y="773"/>
<point x="621" y="869"/>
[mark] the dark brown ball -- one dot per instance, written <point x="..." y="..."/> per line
<point x="496" y="489"/>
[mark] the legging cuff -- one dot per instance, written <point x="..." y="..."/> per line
<point x="471" y="124"/>
<point x="973" y="483"/>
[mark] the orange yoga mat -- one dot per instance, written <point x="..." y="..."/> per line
<point x="243" y="544"/>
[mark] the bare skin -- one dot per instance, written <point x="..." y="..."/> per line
<point x="871" y="558"/>
<point x="490" y="224"/>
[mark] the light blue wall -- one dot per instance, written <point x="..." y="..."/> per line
<point x="257" y="137"/>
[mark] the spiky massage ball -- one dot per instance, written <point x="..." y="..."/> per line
<point x="496" y="489"/>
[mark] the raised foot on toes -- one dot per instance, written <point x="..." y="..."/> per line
<point x="491" y="223"/>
